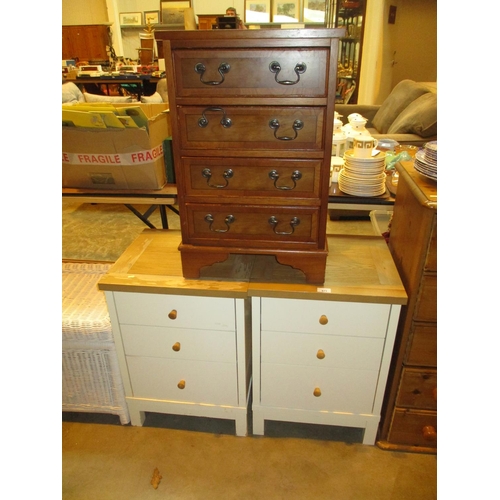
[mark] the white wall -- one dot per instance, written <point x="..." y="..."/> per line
<point x="394" y="52"/>
<point x="86" y="12"/>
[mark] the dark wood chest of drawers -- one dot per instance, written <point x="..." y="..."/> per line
<point x="252" y="120"/>
<point x="410" y="409"/>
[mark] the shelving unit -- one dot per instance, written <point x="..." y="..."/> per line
<point x="351" y="16"/>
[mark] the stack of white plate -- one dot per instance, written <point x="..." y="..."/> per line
<point x="363" y="176"/>
<point x="426" y="160"/>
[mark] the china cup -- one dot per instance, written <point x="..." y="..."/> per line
<point x="364" y="145"/>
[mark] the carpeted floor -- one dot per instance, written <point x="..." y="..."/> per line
<point x="103" y="231"/>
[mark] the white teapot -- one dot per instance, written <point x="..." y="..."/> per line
<point x="356" y="126"/>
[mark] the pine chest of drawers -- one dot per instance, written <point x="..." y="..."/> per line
<point x="252" y="120"/>
<point x="410" y="415"/>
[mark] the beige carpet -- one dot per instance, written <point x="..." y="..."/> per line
<point x="103" y="231"/>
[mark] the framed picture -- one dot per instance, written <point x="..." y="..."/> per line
<point x="172" y="12"/>
<point x="152" y="17"/>
<point x="257" y="11"/>
<point x="314" y="11"/>
<point x="130" y="18"/>
<point x="286" y="11"/>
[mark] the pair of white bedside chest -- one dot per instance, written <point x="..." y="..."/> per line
<point x="311" y="354"/>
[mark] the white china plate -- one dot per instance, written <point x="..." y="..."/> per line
<point x="420" y="155"/>
<point x="349" y="154"/>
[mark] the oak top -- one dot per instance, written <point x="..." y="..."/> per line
<point x="358" y="269"/>
<point x="424" y="189"/>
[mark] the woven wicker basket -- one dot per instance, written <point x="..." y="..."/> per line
<point x="91" y="380"/>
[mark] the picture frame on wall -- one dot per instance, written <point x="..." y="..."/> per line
<point x="172" y="11"/>
<point x="152" y="16"/>
<point x="257" y="11"/>
<point x="130" y="18"/>
<point x="286" y="11"/>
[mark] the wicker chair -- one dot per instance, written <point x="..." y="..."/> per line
<point x="91" y="380"/>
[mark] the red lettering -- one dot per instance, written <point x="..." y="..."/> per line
<point x="65" y="157"/>
<point x="96" y="159"/>
<point x="146" y="156"/>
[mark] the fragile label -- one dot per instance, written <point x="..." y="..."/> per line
<point x="136" y="158"/>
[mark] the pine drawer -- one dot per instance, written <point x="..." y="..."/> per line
<point x="418" y="389"/>
<point x="422" y="345"/>
<point x="414" y="428"/>
<point x="426" y="307"/>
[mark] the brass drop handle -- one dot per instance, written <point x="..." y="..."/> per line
<point x="317" y="392"/>
<point x="181" y="384"/>
<point x="429" y="433"/>
<point x="323" y="320"/>
<point x="172" y="314"/>
<point x="176" y="347"/>
<point x="294" y="222"/>
<point x="320" y="354"/>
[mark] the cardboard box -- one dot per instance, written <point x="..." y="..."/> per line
<point x="111" y="158"/>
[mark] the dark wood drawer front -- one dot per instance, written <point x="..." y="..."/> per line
<point x="259" y="73"/>
<point x="426" y="307"/>
<point x="422" y="350"/>
<point x="251" y="226"/>
<point x="271" y="179"/>
<point x="251" y="128"/>
<point x="414" y="428"/>
<point x="418" y="389"/>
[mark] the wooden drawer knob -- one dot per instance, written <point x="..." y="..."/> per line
<point x="172" y="314"/>
<point x="429" y="433"/>
<point x="181" y="384"/>
<point x="320" y="354"/>
<point x="323" y="320"/>
<point x="317" y="392"/>
<point x="176" y="347"/>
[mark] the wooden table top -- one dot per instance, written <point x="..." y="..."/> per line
<point x="358" y="269"/>
<point x="167" y="191"/>
<point x="425" y="189"/>
<point x="170" y="191"/>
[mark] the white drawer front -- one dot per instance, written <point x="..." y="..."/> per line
<point x="342" y="390"/>
<point x="206" y="313"/>
<point x="341" y="318"/>
<point x="175" y="343"/>
<point x="205" y="382"/>
<point x="359" y="353"/>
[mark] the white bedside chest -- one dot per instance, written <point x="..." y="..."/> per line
<point x="180" y="343"/>
<point x="321" y="355"/>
